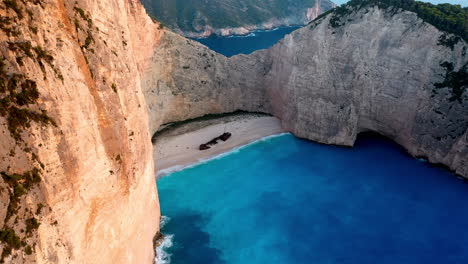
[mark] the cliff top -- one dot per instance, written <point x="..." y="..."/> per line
<point x="445" y="17"/>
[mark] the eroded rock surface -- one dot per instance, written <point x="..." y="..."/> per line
<point x="376" y="72"/>
<point x="77" y="176"/>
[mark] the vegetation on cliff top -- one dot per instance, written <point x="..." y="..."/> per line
<point x="445" y="17"/>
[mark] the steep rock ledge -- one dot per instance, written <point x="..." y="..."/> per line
<point x="376" y="72"/>
<point x="77" y="181"/>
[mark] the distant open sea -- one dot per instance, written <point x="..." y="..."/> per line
<point x="286" y="200"/>
<point x="233" y="45"/>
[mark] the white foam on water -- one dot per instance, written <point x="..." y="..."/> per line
<point x="253" y="33"/>
<point x="177" y="168"/>
<point x="170" y="170"/>
<point x="162" y="256"/>
<point x="164" y="221"/>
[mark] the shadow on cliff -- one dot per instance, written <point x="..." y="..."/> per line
<point x="368" y="139"/>
<point x="188" y="227"/>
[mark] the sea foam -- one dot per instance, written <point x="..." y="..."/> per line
<point x="162" y="256"/>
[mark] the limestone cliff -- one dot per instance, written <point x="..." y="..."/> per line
<point x="77" y="182"/>
<point x="77" y="80"/>
<point x="379" y="70"/>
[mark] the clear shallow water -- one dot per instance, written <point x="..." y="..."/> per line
<point x="233" y="45"/>
<point x="286" y="200"/>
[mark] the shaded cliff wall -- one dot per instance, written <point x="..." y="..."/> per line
<point x="376" y="72"/>
<point x="77" y="181"/>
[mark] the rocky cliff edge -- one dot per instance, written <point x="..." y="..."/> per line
<point x="373" y="69"/>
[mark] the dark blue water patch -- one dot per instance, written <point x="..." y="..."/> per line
<point x="191" y="224"/>
<point x="287" y="200"/>
<point x="233" y="45"/>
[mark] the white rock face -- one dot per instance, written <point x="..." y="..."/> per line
<point x="374" y="73"/>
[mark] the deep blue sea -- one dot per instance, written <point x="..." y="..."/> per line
<point x="286" y="200"/>
<point x="233" y="45"/>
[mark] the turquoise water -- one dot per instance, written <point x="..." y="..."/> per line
<point x="233" y="45"/>
<point x="286" y="200"/>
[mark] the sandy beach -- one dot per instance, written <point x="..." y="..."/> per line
<point x="180" y="148"/>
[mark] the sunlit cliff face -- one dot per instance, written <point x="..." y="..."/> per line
<point x="77" y="182"/>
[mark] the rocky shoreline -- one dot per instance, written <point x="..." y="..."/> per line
<point x="238" y="31"/>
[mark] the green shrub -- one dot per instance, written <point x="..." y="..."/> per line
<point x="18" y="190"/>
<point x="9" y="237"/>
<point x="89" y="39"/>
<point x="39" y="208"/>
<point x="80" y="11"/>
<point x="43" y="55"/>
<point x="28" y="250"/>
<point x="24" y="46"/>
<point x="31" y="224"/>
<point x="12" y="4"/>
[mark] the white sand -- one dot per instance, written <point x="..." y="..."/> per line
<point x="183" y="150"/>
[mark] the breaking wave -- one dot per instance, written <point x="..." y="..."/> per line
<point x="162" y="256"/>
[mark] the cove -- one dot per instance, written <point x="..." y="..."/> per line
<point x="287" y="200"/>
<point x="233" y="45"/>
